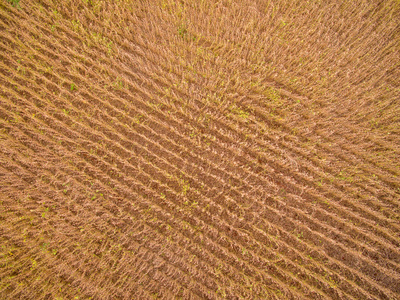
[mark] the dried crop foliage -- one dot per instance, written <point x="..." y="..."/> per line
<point x="199" y="149"/>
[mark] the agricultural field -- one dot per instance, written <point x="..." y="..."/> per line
<point x="200" y="149"/>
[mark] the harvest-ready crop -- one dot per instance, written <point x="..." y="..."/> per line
<point x="199" y="149"/>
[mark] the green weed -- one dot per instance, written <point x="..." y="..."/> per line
<point x="118" y="84"/>
<point x="185" y="185"/>
<point x="34" y="264"/>
<point x="237" y="111"/>
<point x="102" y="40"/>
<point x="182" y="31"/>
<point x="345" y="177"/>
<point x="76" y="25"/>
<point x="137" y="119"/>
<point x="273" y="94"/>
<point x="14" y="3"/>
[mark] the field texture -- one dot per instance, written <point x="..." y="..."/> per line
<point x="200" y="149"/>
